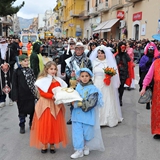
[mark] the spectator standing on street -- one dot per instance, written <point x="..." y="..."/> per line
<point x="86" y="133"/>
<point x="15" y="47"/>
<point x="29" y="48"/>
<point x="20" y="46"/>
<point x="49" y="126"/>
<point x="24" y="91"/>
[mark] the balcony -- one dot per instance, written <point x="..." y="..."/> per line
<point x="83" y="15"/>
<point x="63" y="4"/>
<point x="74" y="13"/>
<point x="133" y="0"/>
<point x="63" y="19"/>
<point x="93" y="11"/>
<point x="116" y="2"/>
<point x="103" y="6"/>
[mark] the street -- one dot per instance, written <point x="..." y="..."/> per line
<point x="130" y="140"/>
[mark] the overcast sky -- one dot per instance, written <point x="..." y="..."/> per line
<point x="32" y="8"/>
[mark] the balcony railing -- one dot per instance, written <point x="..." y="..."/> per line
<point x="102" y="6"/>
<point x="93" y="11"/>
<point x="116" y="2"/>
<point x="83" y="14"/>
<point x="63" y="4"/>
<point x="74" y="13"/>
<point x="133" y="0"/>
<point x="63" y="19"/>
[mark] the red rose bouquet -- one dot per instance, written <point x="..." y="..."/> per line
<point x="109" y="72"/>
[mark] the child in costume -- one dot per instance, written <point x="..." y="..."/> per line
<point x="49" y="126"/>
<point x="24" y="91"/>
<point x="86" y="134"/>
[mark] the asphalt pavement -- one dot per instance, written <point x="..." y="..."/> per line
<point x="130" y="140"/>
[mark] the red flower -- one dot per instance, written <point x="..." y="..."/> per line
<point x="107" y="80"/>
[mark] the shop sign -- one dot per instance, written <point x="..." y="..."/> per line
<point x="137" y="16"/>
<point x="78" y="34"/>
<point x="120" y="14"/>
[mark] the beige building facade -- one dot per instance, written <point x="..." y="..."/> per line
<point x="118" y="19"/>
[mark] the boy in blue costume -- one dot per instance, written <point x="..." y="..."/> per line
<point x="86" y="134"/>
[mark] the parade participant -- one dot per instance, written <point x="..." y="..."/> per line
<point x="122" y="59"/>
<point x="24" y="91"/>
<point x="29" y="48"/>
<point x="110" y="113"/>
<point x="93" y="50"/>
<point x="129" y="50"/>
<point x="36" y="59"/>
<point x="76" y="62"/>
<point x="7" y="61"/>
<point x="20" y="46"/>
<point x="67" y="53"/>
<point x="150" y="53"/>
<point x="48" y="125"/>
<point x="86" y="133"/>
<point x="153" y="73"/>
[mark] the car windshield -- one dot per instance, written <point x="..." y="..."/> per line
<point x="33" y="38"/>
<point x="26" y="38"/>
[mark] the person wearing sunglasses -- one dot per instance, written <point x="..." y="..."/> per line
<point x="150" y="53"/>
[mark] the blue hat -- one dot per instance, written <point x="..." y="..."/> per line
<point x="84" y="70"/>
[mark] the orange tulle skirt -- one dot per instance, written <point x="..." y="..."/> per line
<point x="48" y="129"/>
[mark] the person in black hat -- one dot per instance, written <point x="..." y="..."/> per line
<point x="24" y="92"/>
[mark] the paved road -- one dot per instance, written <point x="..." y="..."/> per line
<point x="130" y="140"/>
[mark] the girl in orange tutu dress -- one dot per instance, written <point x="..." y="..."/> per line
<point x="49" y="126"/>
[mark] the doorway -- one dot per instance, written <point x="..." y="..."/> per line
<point x="136" y="31"/>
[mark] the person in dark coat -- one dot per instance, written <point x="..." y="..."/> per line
<point x="36" y="60"/>
<point x="150" y="54"/>
<point x="67" y="53"/>
<point x="122" y="59"/>
<point x="24" y="92"/>
<point x="7" y="61"/>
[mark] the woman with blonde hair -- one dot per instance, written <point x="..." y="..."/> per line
<point x="48" y="125"/>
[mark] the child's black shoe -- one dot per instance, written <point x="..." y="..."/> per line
<point x="22" y="130"/>
<point x="44" y="150"/>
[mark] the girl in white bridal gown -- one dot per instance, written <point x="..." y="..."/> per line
<point x="111" y="113"/>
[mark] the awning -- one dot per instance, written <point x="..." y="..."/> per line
<point x="105" y="26"/>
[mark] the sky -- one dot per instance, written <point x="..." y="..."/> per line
<point x="32" y="8"/>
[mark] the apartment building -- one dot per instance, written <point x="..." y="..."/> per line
<point x="121" y="18"/>
<point x="6" y="25"/>
<point x="118" y="19"/>
<point x="68" y="17"/>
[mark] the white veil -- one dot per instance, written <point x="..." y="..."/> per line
<point x="93" y="54"/>
<point x="110" y="61"/>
